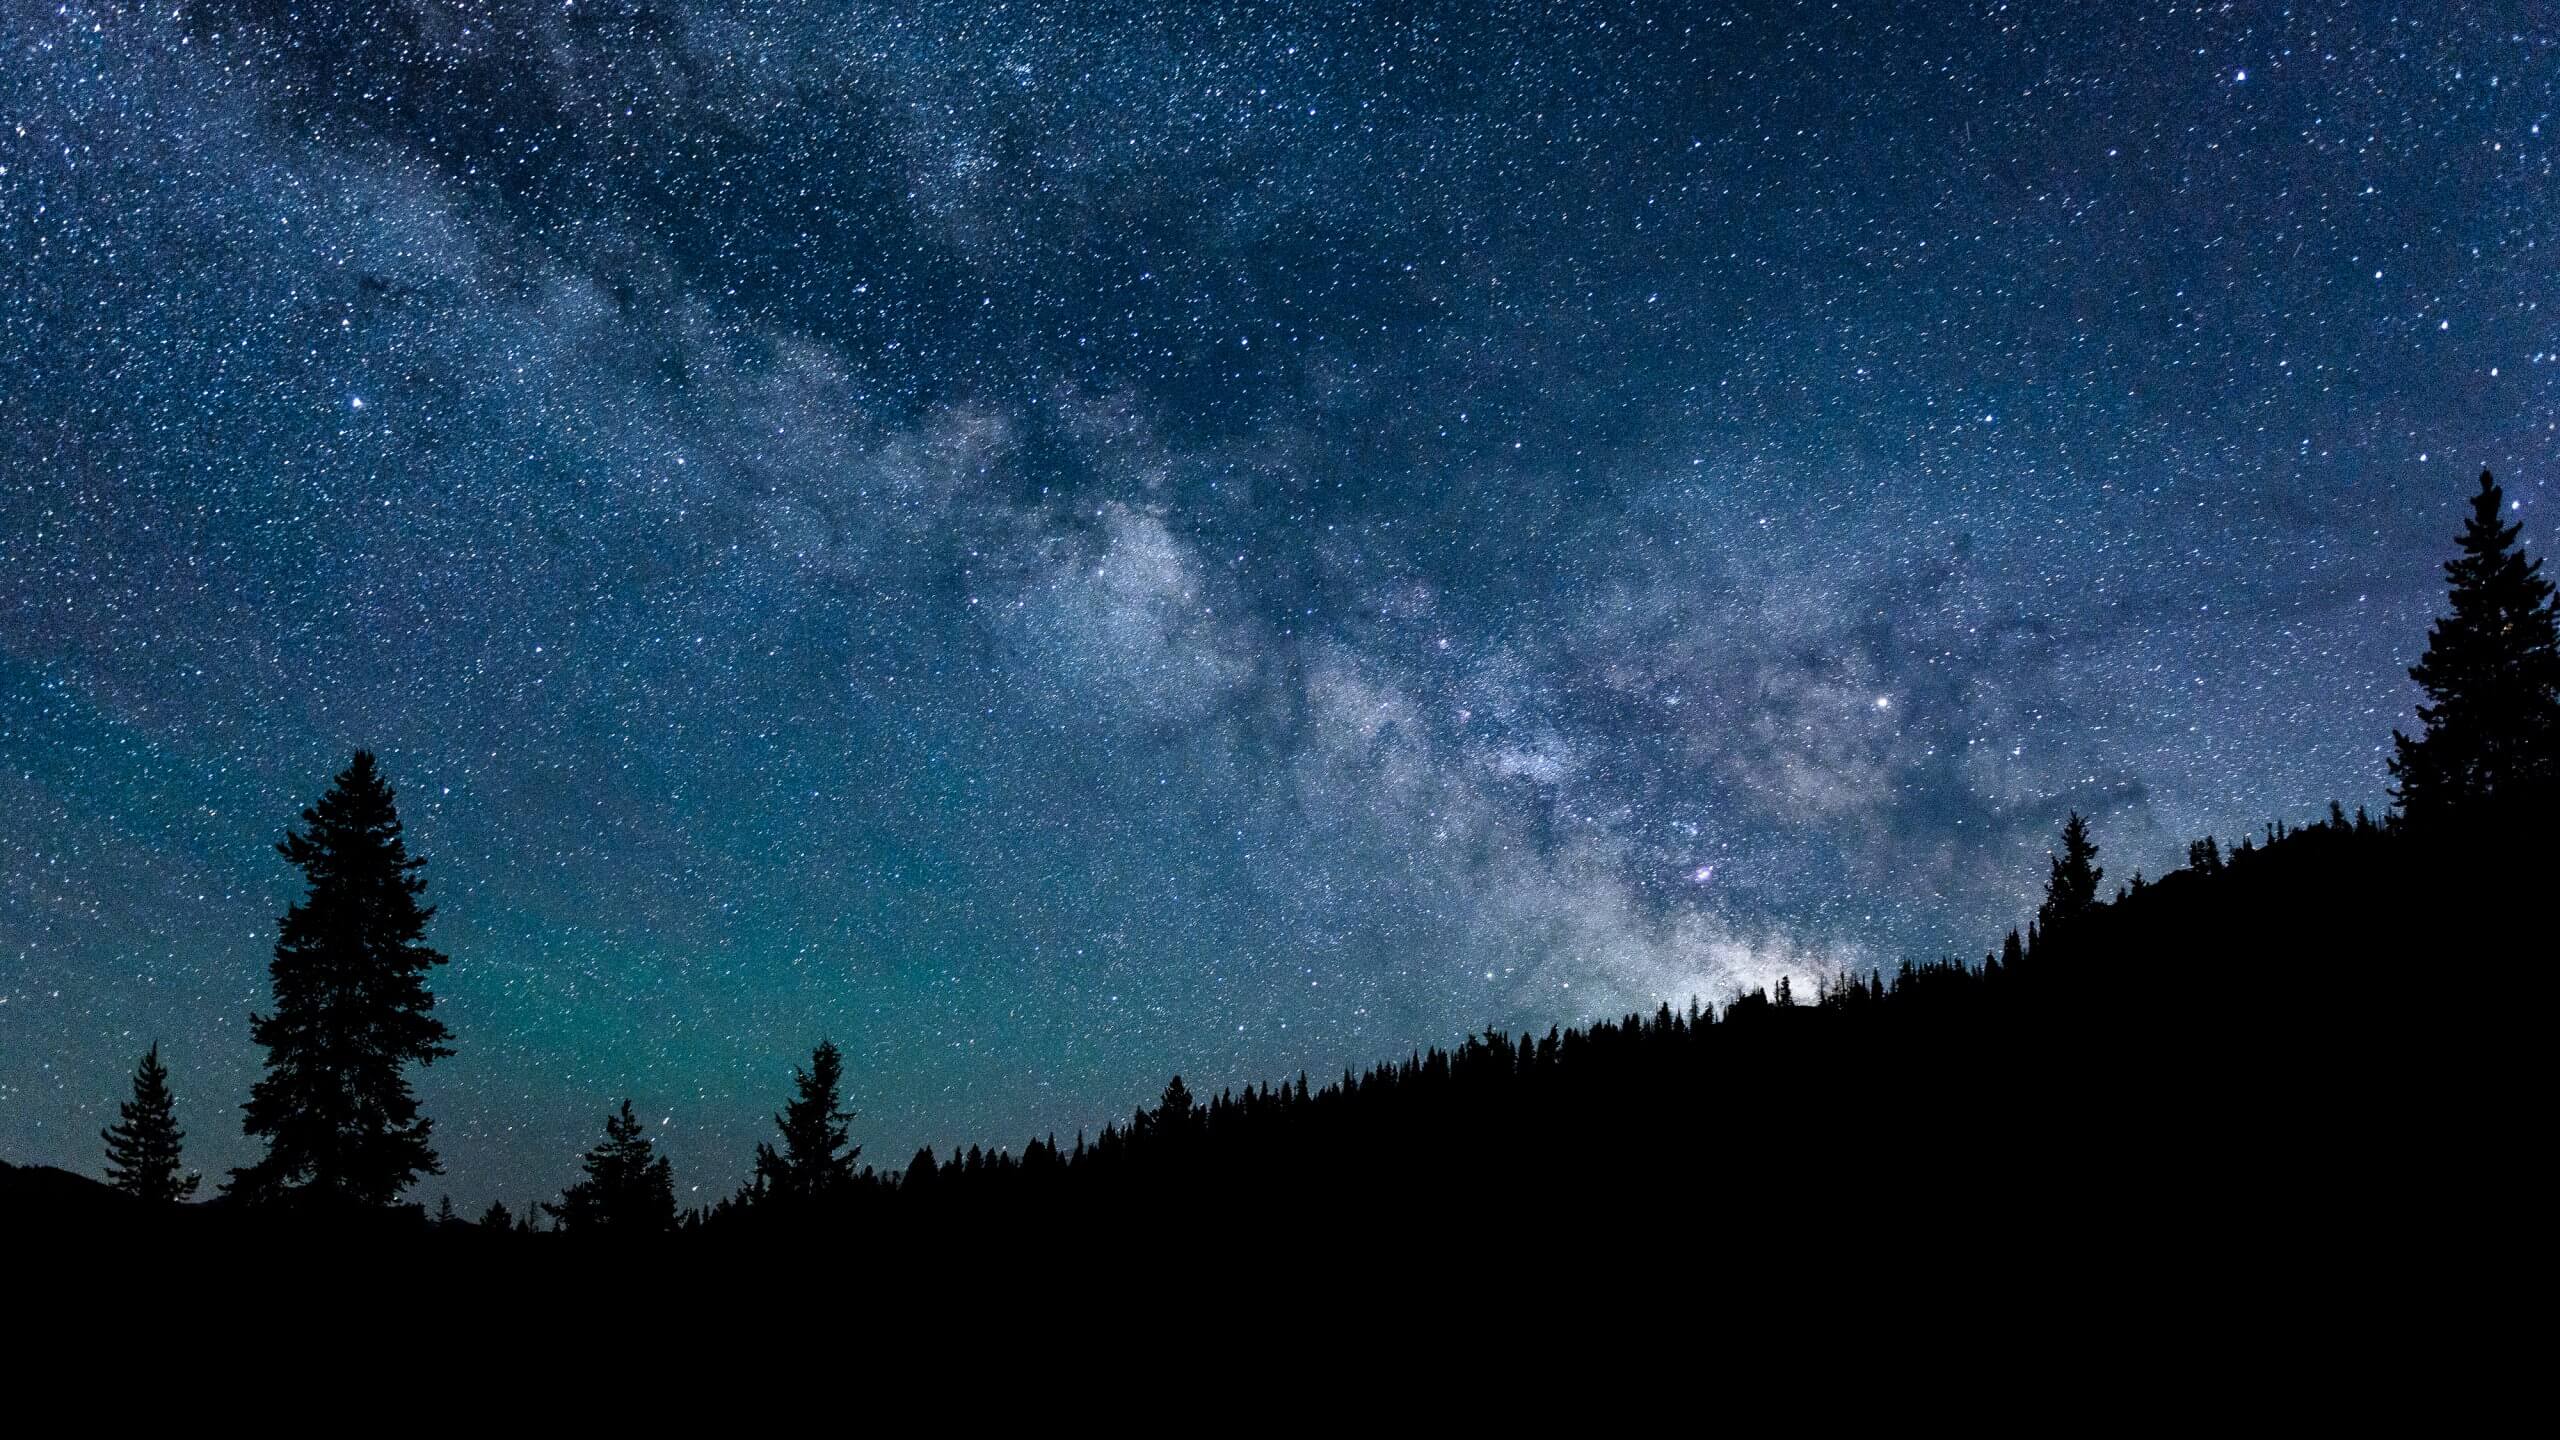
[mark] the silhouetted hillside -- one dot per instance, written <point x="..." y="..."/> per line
<point x="2259" y="1048"/>
<point x="42" y="1194"/>
<point x="2203" y="1054"/>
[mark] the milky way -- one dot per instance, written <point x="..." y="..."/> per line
<point x="1057" y="544"/>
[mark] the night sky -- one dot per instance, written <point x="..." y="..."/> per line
<point x="1060" y="543"/>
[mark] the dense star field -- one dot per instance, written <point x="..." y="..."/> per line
<point x="1057" y="544"/>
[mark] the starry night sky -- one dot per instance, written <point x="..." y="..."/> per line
<point x="1059" y="543"/>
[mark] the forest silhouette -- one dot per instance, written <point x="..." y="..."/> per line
<point x="2292" y="1030"/>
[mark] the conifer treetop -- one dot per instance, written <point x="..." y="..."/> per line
<point x="143" y="1146"/>
<point x="2489" y="728"/>
<point x="352" y="1008"/>
<point x="814" y="1127"/>
<point x="2071" y="891"/>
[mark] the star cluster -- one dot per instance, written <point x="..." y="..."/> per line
<point x="1056" y="544"/>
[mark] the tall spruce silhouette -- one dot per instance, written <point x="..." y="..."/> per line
<point x="143" y="1144"/>
<point x="351" y="1010"/>
<point x="629" y="1189"/>
<point x="807" y="1170"/>
<point x="2489" y="734"/>
<point x="2071" y="891"/>
<point x="1176" y="1115"/>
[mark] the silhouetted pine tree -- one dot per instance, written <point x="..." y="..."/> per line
<point x="807" y="1169"/>
<point x="496" y="1218"/>
<point x="629" y="1189"/>
<point x="142" y="1146"/>
<point x="2491" y="730"/>
<point x="351" y="1005"/>
<point x="920" y="1171"/>
<point x="1175" y="1112"/>
<point x="2072" y="890"/>
<point x="2205" y="856"/>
